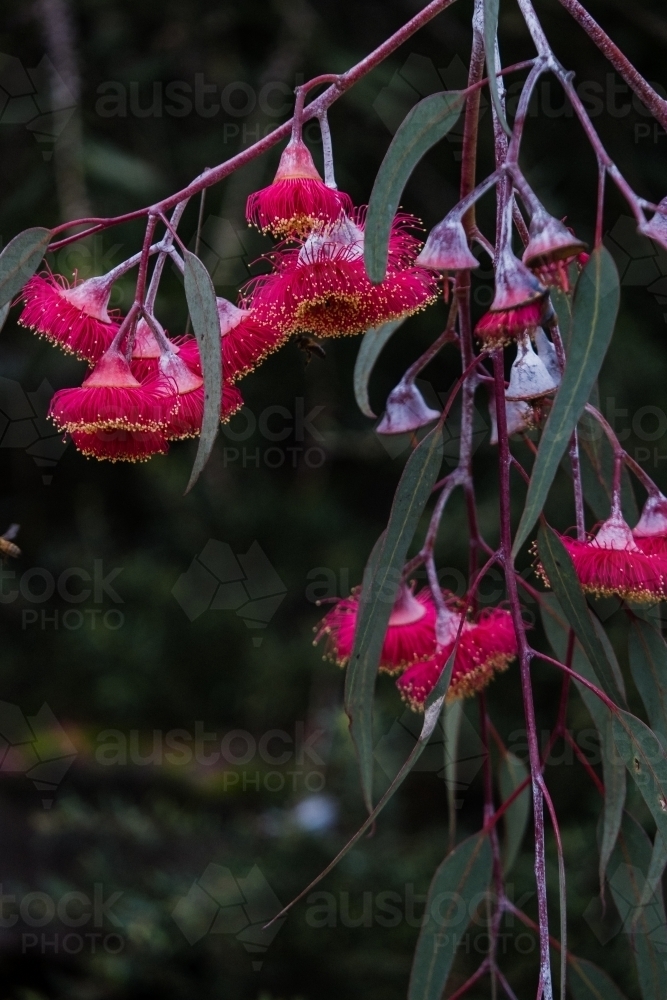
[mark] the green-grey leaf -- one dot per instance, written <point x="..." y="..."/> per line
<point x="426" y="124"/>
<point x="562" y="303"/>
<point x="588" y="982"/>
<point x="461" y="878"/>
<point x="200" y="293"/>
<point x="20" y="259"/>
<point x="513" y="772"/>
<point x="432" y="711"/>
<point x="648" y="663"/>
<point x="645" y="924"/>
<point x="595" y="307"/>
<point x="565" y="585"/>
<point x="379" y="593"/>
<point x="490" y="36"/>
<point x="370" y="347"/>
<point x="654" y="874"/>
<point x="645" y="759"/>
<point x="613" y="768"/>
<point x="4" y="313"/>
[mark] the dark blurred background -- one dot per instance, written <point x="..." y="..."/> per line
<point x="175" y="757"/>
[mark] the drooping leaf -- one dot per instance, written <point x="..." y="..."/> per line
<point x="654" y="874"/>
<point x="642" y="753"/>
<point x="613" y="768"/>
<point x="428" y="122"/>
<point x="4" y="313"/>
<point x="200" y="294"/>
<point x="20" y="259"/>
<point x="432" y="710"/>
<point x="512" y="772"/>
<point x="565" y="585"/>
<point x="378" y="595"/>
<point x="644" y="924"/>
<point x="595" y="307"/>
<point x="588" y="982"/>
<point x="562" y="303"/>
<point x="461" y="878"/>
<point x="370" y="347"/>
<point x="597" y="472"/>
<point x="490" y="37"/>
<point x="648" y="663"/>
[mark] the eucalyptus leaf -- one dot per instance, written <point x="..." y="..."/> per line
<point x="588" y="982"/>
<point x="565" y="585"/>
<point x="512" y="772"/>
<point x="378" y="595"/>
<point x="20" y="259"/>
<point x="613" y="768"/>
<point x="200" y="294"/>
<point x="648" y="663"/>
<point x="490" y="42"/>
<point x="370" y="348"/>
<point x="461" y="879"/>
<point x="643" y="923"/>
<point x="594" y="313"/>
<point x="428" y="122"/>
<point x="4" y="313"/>
<point x="432" y="712"/>
<point x="645" y="759"/>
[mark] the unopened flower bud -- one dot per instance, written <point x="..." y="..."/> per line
<point x="406" y="410"/>
<point x="550" y="240"/>
<point x="546" y="352"/>
<point x="446" y="248"/>
<point x="520" y="416"/>
<point x="529" y="378"/>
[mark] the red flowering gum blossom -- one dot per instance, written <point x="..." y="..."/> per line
<point x="245" y="343"/>
<point x="146" y="352"/>
<point x="613" y="564"/>
<point x="410" y="634"/>
<point x="487" y="647"/>
<point x="111" y="398"/>
<point x="520" y="303"/>
<point x="322" y="287"/>
<point x="74" y="317"/>
<point x="120" y="446"/>
<point x="650" y="532"/>
<point x="298" y="200"/>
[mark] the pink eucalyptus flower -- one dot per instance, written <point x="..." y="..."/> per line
<point x="486" y="647"/>
<point x="410" y="634"/>
<point x="74" y="317"/>
<point x="298" y="200"/>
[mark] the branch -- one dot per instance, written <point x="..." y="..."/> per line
<point x="642" y="88"/>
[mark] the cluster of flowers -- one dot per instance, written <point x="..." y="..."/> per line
<point x="146" y="389"/>
<point x="619" y="561"/>
<point x="486" y="645"/>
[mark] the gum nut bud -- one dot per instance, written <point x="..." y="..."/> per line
<point x="515" y="284"/>
<point x="546" y="352"/>
<point x="406" y="410"/>
<point x="529" y="378"/>
<point x="519" y="416"/>
<point x="446" y="248"/>
<point x="654" y="518"/>
<point x="656" y="229"/>
<point x="229" y="315"/>
<point x="550" y="240"/>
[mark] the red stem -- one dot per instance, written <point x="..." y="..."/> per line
<point x="525" y="656"/>
<point x="656" y="104"/>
